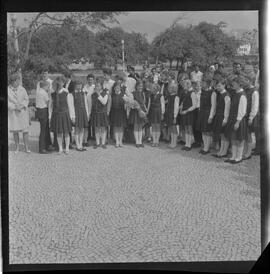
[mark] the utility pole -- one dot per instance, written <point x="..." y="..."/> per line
<point x="16" y="43"/>
<point x="123" y="55"/>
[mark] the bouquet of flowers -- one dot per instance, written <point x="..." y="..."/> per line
<point x="133" y="104"/>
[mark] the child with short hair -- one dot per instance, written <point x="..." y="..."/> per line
<point x="236" y="129"/>
<point x="187" y="107"/>
<point x="252" y="118"/>
<point x="134" y="116"/>
<point x="156" y="112"/>
<point x="42" y="104"/>
<point x="99" y="117"/>
<point x="206" y="113"/>
<point x="62" y="114"/>
<point x="81" y="115"/>
<point x="118" y="115"/>
<point x="221" y="118"/>
<point x="88" y="89"/>
<point x="171" y="113"/>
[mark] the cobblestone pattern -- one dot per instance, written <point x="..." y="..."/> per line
<point x="131" y="205"/>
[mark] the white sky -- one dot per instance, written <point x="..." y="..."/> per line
<point x="234" y="19"/>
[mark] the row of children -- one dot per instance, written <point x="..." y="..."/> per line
<point x="224" y="116"/>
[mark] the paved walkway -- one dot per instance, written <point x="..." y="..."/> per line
<point x="131" y="205"/>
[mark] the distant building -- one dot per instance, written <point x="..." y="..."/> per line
<point x="244" y="49"/>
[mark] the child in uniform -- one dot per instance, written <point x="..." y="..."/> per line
<point x="62" y="114"/>
<point x="134" y="117"/>
<point x="252" y="118"/>
<point x="206" y="113"/>
<point x="221" y="118"/>
<point x="81" y="115"/>
<point x="187" y="107"/>
<point x="99" y="117"/>
<point x="156" y="112"/>
<point x="118" y="115"/>
<point x="171" y="113"/>
<point x="236" y="128"/>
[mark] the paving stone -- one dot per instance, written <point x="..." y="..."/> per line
<point x="130" y="204"/>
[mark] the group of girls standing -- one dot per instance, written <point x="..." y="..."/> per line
<point x="227" y="113"/>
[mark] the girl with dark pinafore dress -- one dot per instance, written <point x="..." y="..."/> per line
<point x="252" y="118"/>
<point x="236" y="129"/>
<point x="118" y="114"/>
<point x="62" y="114"/>
<point x="221" y="118"/>
<point x="99" y="117"/>
<point x="134" y="116"/>
<point x="171" y="112"/>
<point x="148" y="83"/>
<point x="206" y="113"/>
<point x="187" y="106"/>
<point x="156" y="112"/>
<point x="81" y="115"/>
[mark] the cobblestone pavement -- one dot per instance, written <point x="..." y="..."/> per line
<point x="131" y="205"/>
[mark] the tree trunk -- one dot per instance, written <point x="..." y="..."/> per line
<point x="157" y="60"/>
<point x="26" y="54"/>
<point x="177" y="64"/>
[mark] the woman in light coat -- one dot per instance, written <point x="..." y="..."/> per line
<point x="18" y="113"/>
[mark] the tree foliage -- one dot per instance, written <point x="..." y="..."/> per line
<point x="203" y="43"/>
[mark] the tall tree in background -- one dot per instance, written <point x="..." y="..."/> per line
<point x="203" y="43"/>
<point x="41" y="20"/>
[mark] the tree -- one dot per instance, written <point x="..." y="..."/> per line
<point x="94" y="20"/>
<point x="204" y="43"/>
<point x="108" y="44"/>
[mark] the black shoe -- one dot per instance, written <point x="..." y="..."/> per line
<point x="104" y="146"/>
<point x="137" y="146"/>
<point x="84" y="149"/>
<point x="229" y="161"/>
<point x="86" y="145"/>
<point x="236" y="162"/>
<point x="95" y="146"/>
<point x="181" y="142"/>
<point x="247" y="158"/>
<point x="255" y="153"/>
<point x="50" y="148"/>
<point x="224" y="156"/>
<point x="141" y="145"/>
<point x="196" y="145"/>
<point x="216" y="156"/>
<point x="71" y="146"/>
<point x="44" y="151"/>
<point x="201" y="151"/>
<point x="204" y="152"/>
<point x="79" y="149"/>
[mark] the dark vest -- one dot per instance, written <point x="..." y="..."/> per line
<point x="155" y="101"/>
<point x="79" y="101"/>
<point x="187" y="101"/>
<point x="117" y="100"/>
<point x="221" y="103"/>
<point x="97" y="106"/>
<point x="170" y="105"/>
<point x="205" y="100"/>
<point x="249" y="93"/>
<point x="62" y="102"/>
<point x="139" y="97"/>
<point x="234" y="105"/>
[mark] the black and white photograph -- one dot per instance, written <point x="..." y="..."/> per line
<point x="134" y="136"/>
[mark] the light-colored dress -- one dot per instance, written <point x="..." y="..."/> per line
<point x="18" y="119"/>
